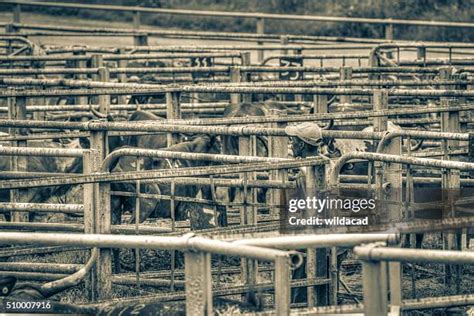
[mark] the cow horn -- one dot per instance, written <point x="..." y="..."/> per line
<point x="329" y="125"/>
<point x="97" y="113"/>
<point x="51" y="288"/>
<point x="417" y="146"/>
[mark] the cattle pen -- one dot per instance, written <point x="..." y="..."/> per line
<point x="151" y="171"/>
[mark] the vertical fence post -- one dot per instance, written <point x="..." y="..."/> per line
<point x="284" y="51"/>
<point x="245" y="76"/>
<point x="173" y="111"/>
<point x="320" y="104"/>
<point x="17" y="13"/>
<point x="260" y="30"/>
<point x="450" y="178"/>
<point x="197" y="268"/>
<point x="375" y="303"/>
<point x="345" y="73"/>
<point x="122" y="77"/>
<point x="388" y="30"/>
<point x="91" y="164"/>
<point x="380" y="102"/>
<point x="235" y="98"/>
<point x="317" y="263"/>
<point x="392" y="174"/>
<point x="139" y="39"/>
<point x="136" y="20"/>
<point x="83" y="100"/>
<point x="102" y="210"/>
<point x="373" y="62"/>
<point x="248" y="215"/>
<point x="421" y="53"/>
<point x="282" y="286"/>
<point x="97" y="61"/>
<point x="277" y="147"/>
<point x="17" y="111"/>
<point x="284" y="42"/>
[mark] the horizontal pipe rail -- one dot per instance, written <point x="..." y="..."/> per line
<point x="182" y="155"/>
<point x="118" y="107"/>
<point x="426" y="162"/>
<point x="42" y="207"/>
<point x="184" y="243"/>
<point x="374" y="252"/>
<point x="318" y="241"/>
<point x="40" y="267"/>
<point x="156" y="174"/>
<point x="239" y="89"/>
<point x="268" y="16"/>
<point x="305" y="83"/>
<point x="154" y="126"/>
<point x="229" y="36"/>
<point x="316" y="117"/>
<point x="407" y="305"/>
<point x="217" y="69"/>
<point x="44" y="152"/>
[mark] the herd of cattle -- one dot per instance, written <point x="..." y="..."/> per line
<point x="197" y="143"/>
<point x="306" y="140"/>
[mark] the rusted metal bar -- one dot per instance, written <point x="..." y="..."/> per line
<point x="198" y="283"/>
<point x="318" y="241"/>
<point x="123" y="280"/>
<point x="119" y="107"/>
<point x="41" y="207"/>
<point x="187" y="242"/>
<point x="17" y="110"/>
<point x="299" y="83"/>
<point x="270" y="184"/>
<point x="214" y="69"/>
<point x="25" y="251"/>
<point x="39" y="267"/>
<point x="119" y="57"/>
<point x="239" y="89"/>
<point x="152" y="174"/>
<point x="44" y="152"/>
<point x="182" y="155"/>
<point x="397" y="159"/>
<point x="34" y="276"/>
<point x="376" y="253"/>
<point x="438" y="302"/>
<point x="375" y="294"/>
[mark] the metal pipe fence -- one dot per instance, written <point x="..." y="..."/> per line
<point x="280" y="83"/>
<point x="197" y="265"/>
<point x="375" y="301"/>
<point x="424" y="93"/>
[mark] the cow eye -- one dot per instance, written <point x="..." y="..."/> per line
<point x="5" y="290"/>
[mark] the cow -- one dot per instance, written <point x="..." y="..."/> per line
<point x="230" y="144"/>
<point x="148" y="207"/>
<point x="36" y="164"/>
<point x="199" y="218"/>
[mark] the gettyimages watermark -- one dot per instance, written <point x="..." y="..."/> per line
<point x="317" y="207"/>
<point x="363" y="211"/>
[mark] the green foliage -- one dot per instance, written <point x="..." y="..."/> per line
<point x="442" y="10"/>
